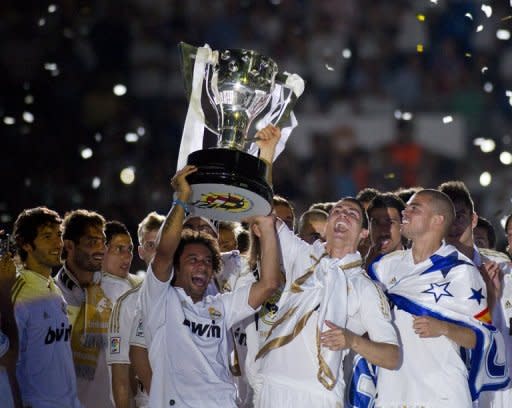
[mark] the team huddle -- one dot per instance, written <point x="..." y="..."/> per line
<point x="381" y="300"/>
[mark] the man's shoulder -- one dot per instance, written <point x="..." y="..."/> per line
<point x="395" y="256"/>
<point x="20" y="288"/>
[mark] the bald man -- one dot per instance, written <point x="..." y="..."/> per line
<point x="440" y="304"/>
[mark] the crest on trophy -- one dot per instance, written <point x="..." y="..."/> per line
<point x="230" y="92"/>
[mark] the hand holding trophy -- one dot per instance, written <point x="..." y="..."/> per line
<point x="240" y="85"/>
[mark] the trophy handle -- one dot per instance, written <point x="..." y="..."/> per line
<point x="188" y="58"/>
<point x="213" y="96"/>
<point x="288" y="89"/>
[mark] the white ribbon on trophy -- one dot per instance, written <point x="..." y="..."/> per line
<point x="193" y="130"/>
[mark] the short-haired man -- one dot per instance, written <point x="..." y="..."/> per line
<point x="116" y="278"/>
<point x="493" y="266"/>
<point x="440" y="300"/>
<point x="365" y="197"/>
<point x="484" y="234"/>
<point x="126" y="355"/>
<point x="45" y="371"/>
<point x="327" y="306"/>
<point x="283" y="208"/>
<point x="227" y="235"/>
<point x="188" y="333"/>
<point x="89" y="307"/>
<point x="385" y="217"/>
<point x="312" y="225"/>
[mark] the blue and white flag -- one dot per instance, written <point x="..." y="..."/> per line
<point x="448" y="287"/>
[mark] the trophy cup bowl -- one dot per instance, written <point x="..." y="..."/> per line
<point x="231" y="184"/>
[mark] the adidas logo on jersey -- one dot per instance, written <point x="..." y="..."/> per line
<point x="62" y="334"/>
<point x="208" y="330"/>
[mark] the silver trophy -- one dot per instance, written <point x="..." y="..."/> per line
<point x="239" y="86"/>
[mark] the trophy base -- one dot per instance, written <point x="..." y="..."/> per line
<point x="229" y="185"/>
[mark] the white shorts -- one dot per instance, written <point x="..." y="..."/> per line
<point x="271" y="393"/>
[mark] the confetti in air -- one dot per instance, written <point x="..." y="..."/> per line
<point x="509" y="96"/>
<point x="506" y="158"/>
<point x="9" y="120"/>
<point x="487" y="10"/>
<point x="127" y="175"/>
<point x="28" y="117"/>
<point x="96" y="183"/>
<point x="119" y="90"/>
<point x="479" y="28"/>
<point x="484" y="70"/>
<point x="328" y="67"/>
<point x="447" y="119"/>
<point x="419" y="48"/>
<point x="420" y="17"/>
<point x="131" y="137"/>
<point x="469" y="15"/>
<point x="86" y="153"/>
<point x="485" y="179"/>
<point x="503" y="35"/>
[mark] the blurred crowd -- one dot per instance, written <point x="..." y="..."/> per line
<point x="60" y="62"/>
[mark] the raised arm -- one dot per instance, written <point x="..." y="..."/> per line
<point x="267" y="139"/>
<point x="170" y="233"/>
<point x="270" y="272"/>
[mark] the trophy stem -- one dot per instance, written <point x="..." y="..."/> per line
<point x="232" y="138"/>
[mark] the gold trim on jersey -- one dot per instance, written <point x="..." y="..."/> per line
<point x="16" y="288"/>
<point x="301" y="323"/>
<point x="296" y="285"/>
<point x="324" y="374"/>
<point x="281" y="341"/>
<point x="116" y="310"/>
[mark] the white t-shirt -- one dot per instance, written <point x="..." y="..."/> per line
<point x="5" y="386"/>
<point x="188" y="344"/>
<point x="45" y="370"/>
<point x="120" y="327"/>
<point x="96" y="393"/>
<point x="501" y="319"/>
<point x="432" y="373"/>
<point x="122" y="320"/>
<point x="367" y="309"/>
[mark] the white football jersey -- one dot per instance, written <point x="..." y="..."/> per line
<point x="188" y="344"/>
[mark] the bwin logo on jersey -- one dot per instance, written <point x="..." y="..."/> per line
<point x="208" y="330"/>
<point x="54" y="335"/>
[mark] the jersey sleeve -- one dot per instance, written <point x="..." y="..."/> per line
<point x="295" y="253"/>
<point x="236" y="305"/>
<point x="119" y="334"/>
<point x="151" y="300"/>
<point x="21" y="315"/>
<point x="375" y="313"/>
<point x="137" y="337"/>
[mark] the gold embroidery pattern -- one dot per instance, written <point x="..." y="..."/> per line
<point x="296" y="285"/>
<point x="281" y="341"/>
<point x="324" y="375"/>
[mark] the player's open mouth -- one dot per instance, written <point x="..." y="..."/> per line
<point x="200" y="280"/>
